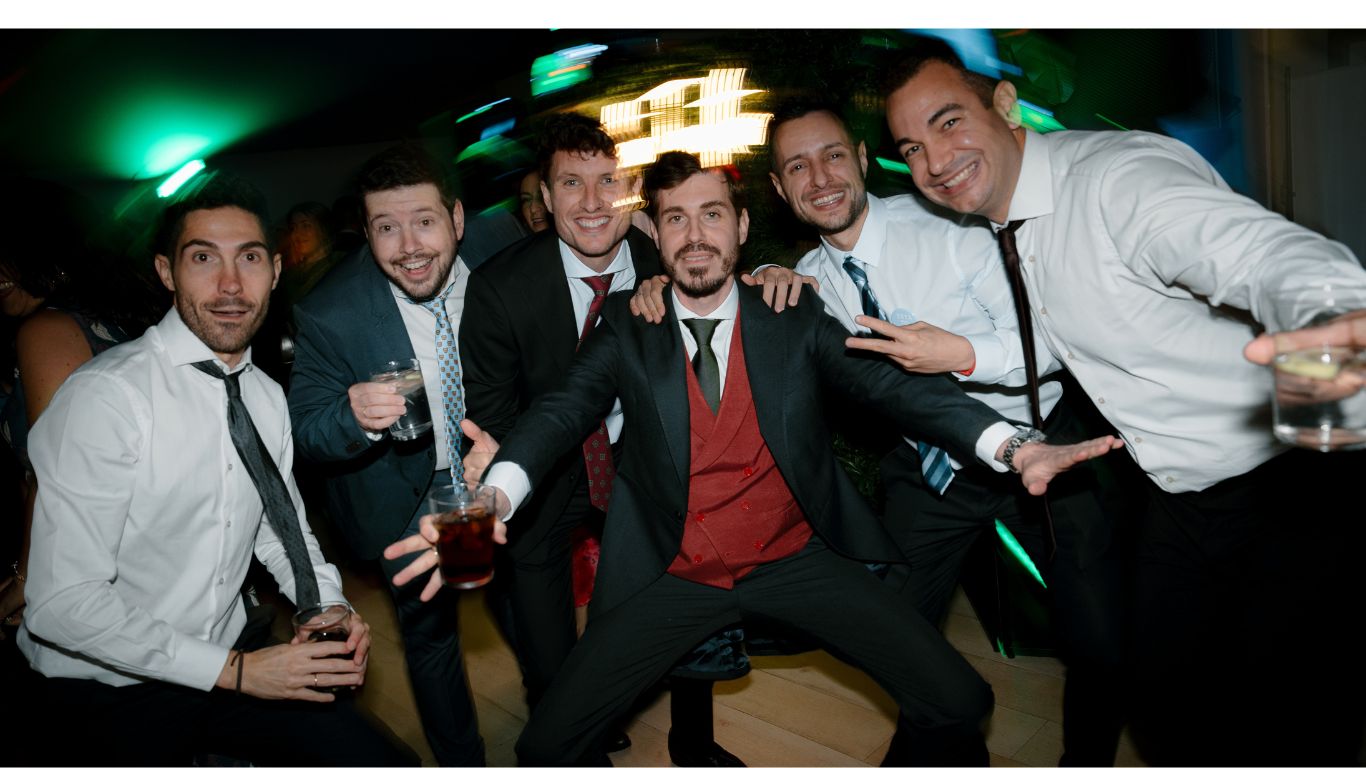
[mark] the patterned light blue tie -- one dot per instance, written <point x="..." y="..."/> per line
<point x="934" y="461"/>
<point x="452" y="391"/>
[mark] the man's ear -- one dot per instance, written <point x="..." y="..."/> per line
<point x="778" y="186"/>
<point x="279" y="263"/>
<point x="1006" y="103"/>
<point x="163" y="266"/>
<point x="545" y="195"/>
<point x="863" y="158"/>
<point x="458" y="220"/>
<point x="744" y="225"/>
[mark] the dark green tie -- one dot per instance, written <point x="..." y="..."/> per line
<point x="704" y="362"/>
<point x="274" y="493"/>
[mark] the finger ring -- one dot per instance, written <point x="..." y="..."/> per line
<point x="315" y="680"/>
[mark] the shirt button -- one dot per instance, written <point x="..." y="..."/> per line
<point x="697" y="559"/>
<point x="1100" y="400"/>
<point x="1070" y="356"/>
<point x="1043" y="310"/>
<point x="745" y="505"/>
<point x="749" y="471"/>
<point x="228" y="525"/>
<point x="1169" y="479"/>
<point x="701" y="517"/>
<point x="220" y="582"/>
<point x="1138" y="439"/>
<point x="758" y="546"/>
<point x="230" y="466"/>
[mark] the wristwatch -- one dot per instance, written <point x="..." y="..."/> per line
<point x="1022" y="435"/>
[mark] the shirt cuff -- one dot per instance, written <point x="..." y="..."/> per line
<point x="196" y="663"/>
<point x="513" y="481"/>
<point x="990" y="442"/>
<point x="760" y="268"/>
<point x="988" y="359"/>
<point x="375" y="437"/>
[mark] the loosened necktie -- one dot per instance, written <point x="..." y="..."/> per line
<point x="274" y="493"/>
<point x="448" y="368"/>
<point x="934" y="461"/>
<point x="597" y="447"/>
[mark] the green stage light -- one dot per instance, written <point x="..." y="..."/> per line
<point x="1038" y="118"/>
<point x="1012" y="546"/>
<point x="178" y="179"/>
<point x="894" y="166"/>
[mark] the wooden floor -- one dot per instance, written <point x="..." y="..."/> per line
<point x="793" y="710"/>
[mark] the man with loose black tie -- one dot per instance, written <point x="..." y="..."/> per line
<point x="528" y="311"/>
<point x="165" y="465"/>
<point x="730" y="506"/>
<point x="1127" y="249"/>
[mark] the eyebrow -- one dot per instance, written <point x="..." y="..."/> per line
<point x="206" y="244"/>
<point x="951" y="106"/>
<point x="799" y="155"/>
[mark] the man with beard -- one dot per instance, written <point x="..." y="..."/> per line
<point x="730" y="506"/>
<point x="157" y="463"/>
<point x="527" y="313"/>
<point x="937" y="294"/>
<point x="399" y="298"/>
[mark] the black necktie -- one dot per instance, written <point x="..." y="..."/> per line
<point x="274" y="494"/>
<point x="1011" y="255"/>
<point x="704" y="362"/>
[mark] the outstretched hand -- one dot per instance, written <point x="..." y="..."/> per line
<point x="481" y="454"/>
<point x="1039" y="463"/>
<point x="917" y="348"/>
<point x="424" y="541"/>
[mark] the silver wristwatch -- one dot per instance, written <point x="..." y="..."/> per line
<point x="1022" y="435"/>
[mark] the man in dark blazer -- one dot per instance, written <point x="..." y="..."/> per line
<point x="526" y="312"/>
<point x="730" y="505"/>
<point x="366" y="312"/>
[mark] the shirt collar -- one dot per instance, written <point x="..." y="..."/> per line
<point x="730" y="306"/>
<point x="183" y="347"/>
<point x="575" y="269"/>
<point x="1033" y="195"/>
<point x="868" y="249"/>
<point x="399" y="294"/>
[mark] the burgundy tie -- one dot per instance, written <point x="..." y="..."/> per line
<point x="597" y="449"/>
<point x="1011" y="255"/>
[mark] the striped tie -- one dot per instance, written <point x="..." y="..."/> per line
<point x="452" y="390"/>
<point x="934" y="461"/>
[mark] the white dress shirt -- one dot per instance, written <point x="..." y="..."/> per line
<point x="623" y="273"/>
<point x="928" y="266"/>
<point x="420" y="324"/>
<point x="146" y="520"/>
<point x="1132" y="250"/>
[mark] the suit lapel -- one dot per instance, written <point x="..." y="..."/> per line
<point x="385" y="318"/>
<point x="547" y="292"/>
<point x="766" y="359"/>
<point x="662" y="350"/>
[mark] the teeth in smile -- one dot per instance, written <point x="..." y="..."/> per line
<point x="5" y="286"/>
<point x="416" y="265"/>
<point x="963" y="174"/>
<point x="594" y="223"/>
<point x="827" y="199"/>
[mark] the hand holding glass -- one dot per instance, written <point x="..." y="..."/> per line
<point x="465" y="517"/>
<point x="407" y="378"/>
<point x="1320" y="369"/>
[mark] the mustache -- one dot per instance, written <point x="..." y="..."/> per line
<point x="228" y="305"/>
<point x="697" y="248"/>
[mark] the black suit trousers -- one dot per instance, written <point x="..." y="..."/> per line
<point x="836" y="601"/>
<point x="436" y="668"/>
<point x="1085" y="577"/>
<point x="1248" y="617"/>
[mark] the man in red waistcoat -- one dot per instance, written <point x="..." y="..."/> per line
<point x="730" y="506"/>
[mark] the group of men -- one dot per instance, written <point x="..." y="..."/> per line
<point x="700" y="445"/>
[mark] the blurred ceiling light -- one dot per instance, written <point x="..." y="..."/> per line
<point x="178" y="179"/>
<point x="717" y="131"/>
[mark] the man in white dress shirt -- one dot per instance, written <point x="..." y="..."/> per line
<point x="147" y="521"/>
<point x="948" y="305"/>
<point x="1133" y="252"/>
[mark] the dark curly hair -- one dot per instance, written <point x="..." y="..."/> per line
<point x="571" y="132"/>
<point x="674" y="168"/>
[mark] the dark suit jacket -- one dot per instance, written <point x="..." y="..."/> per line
<point x="517" y="340"/>
<point x="348" y="325"/>
<point x="790" y="356"/>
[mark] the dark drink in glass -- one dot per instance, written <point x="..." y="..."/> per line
<point x="321" y="623"/>
<point x="464" y="523"/>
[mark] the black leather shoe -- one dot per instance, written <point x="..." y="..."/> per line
<point x="615" y="740"/>
<point x="703" y="755"/>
